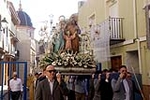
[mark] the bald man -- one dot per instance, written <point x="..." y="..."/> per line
<point x="15" y="87"/>
<point x="52" y="87"/>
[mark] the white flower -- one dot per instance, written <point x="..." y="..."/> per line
<point x="62" y="54"/>
<point x="72" y="58"/>
<point x="85" y="66"/>
<point x="67" y="59"/>
<point x="65" y="63"/>
<point x="54" y="63"/>
<point x="59" y="63"/>
<point x="80" y="64"/>
<point x="75" y="62"/>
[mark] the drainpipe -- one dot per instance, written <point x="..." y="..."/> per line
<point x="136" y="38"/>
<point x="136" y="35"/>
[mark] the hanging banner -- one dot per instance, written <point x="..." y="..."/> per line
<point x="100" y="36"/>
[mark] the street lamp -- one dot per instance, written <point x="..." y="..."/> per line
<point x="46" y="33"/>
<point x="4" y="23"/>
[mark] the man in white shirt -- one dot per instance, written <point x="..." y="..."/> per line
<point x="15" y="86"/>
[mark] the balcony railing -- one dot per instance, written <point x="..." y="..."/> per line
<point x="116" y="28"/>
<point x="113" y="26"/>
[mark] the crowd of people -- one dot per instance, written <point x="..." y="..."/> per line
<point x="113" y="85"/>
<point x="51" y="85"/>
<point x="105" y="85"/>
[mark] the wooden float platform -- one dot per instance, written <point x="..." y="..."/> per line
<point x="75" y="71"/>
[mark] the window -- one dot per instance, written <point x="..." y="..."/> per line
<point x="113" y="10"/>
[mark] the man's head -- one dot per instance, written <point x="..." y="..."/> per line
<point x="15" y="75"/>
<point x="129" y="75"/>
<point x="50" y="72"/>
<point x="123" y="70"/>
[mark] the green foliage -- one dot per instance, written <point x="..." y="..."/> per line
<point x="68" y="59"/>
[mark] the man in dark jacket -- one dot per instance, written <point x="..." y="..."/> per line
<point x="105" y="87"/>
<point x="91" y="87"/>
<point x="52" y="87"/>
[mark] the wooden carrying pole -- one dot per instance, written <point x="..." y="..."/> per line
<point x="138" y="83"/>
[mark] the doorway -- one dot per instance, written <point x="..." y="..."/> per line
<point x="132" y="61"/>
<point x="116" y="61"/>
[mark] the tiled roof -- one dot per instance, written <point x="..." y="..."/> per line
<point x="24" y="18"/>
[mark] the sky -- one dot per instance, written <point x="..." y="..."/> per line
<point x="41" y="10"/>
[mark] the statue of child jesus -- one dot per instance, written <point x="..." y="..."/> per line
<point x="68" y="38"/>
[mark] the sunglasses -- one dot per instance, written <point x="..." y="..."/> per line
<point x="50" y="71"/>
<point x="124" y="70"/>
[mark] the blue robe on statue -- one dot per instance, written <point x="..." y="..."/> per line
<point x="58" y="42"/>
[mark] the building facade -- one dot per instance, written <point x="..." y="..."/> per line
<point x="17" y="41"/>
<point x="8" y="38"/>
<point x="126" y="23"/>
<point x="27" y="43"/>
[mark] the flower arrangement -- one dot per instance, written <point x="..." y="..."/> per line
<point x="68" y="59"/>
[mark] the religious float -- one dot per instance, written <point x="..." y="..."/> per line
<point x="70" y="50"/>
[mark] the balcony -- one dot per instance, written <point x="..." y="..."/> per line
<point x="116" y="30"/>
<point x="112" y="28"/>
<point x="103" y="35"/>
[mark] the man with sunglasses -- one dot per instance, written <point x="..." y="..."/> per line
<point x="123" y="86"/>
<point x="52" y="87"/>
